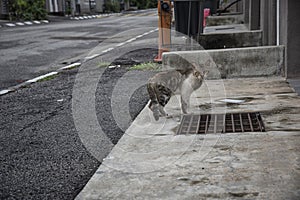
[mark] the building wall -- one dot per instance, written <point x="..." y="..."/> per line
<point x="262" y="14"/>
<point x="290" y="35"/>
<point x="255" y="15"/>
<point x="3" y="8"/>
<point x="268" y="21"/>
<point x="99" y="6"/>
<point x="55" y="6"/>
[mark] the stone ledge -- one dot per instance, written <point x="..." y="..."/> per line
<point x="230" y="63"/>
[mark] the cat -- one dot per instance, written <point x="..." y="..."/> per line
<point x="167" y="83"/>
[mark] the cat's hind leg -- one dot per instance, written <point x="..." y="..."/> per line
<point x="163" y="98"/>
<point x="155" y="111"/>
<point x="162" y="111"/>
<point x="154" y="106"/>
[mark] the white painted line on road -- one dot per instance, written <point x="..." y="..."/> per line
<point x="41" y="77"/>
<point x="28" y="23"/>
<point x="20" y="24"/>
<point x="45" y="21"/>
<point x="144" y="34"/>
<point x="107" y="50"/>
<point x="76" y="18"/>
<point x="114" y="66"/>
<point x="2" y="92"/>
<point x="36" y="22"/>
<point x="81" y="18"/>
<point x="132" y="39"/>
<point x="10" y="25"/>
<point x="92" y="56"/>
<point x="120" y="44"/>
<point x="70" y="66"/>
<point x="85" y="17"/>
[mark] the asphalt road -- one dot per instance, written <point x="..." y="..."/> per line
<point x="29" y="51"/>
<point x="42" y="155"/>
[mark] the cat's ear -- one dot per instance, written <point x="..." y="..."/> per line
<point x="196" y="73"/>
<point x="205" y="73"/>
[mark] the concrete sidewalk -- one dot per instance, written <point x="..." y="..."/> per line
<point x="151" y="162"/>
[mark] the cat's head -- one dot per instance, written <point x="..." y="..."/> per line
<point x="199" y="74"/>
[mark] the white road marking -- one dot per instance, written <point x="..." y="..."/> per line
<point x="114" y="66"/>
<point x="36" y="22"/>
<point x="107" y="50"/>
<point x="41" y="77"/>
<point x="45" y="21"/>
<point x="70" y="66"/>
<point x="4" y="92"/>
<point x="92" y="56"/>
<point x="131" y="40"/>
<point x="20" y="23"/>
<point x="120" y="44"/>
<point x="10" y="24"/>
<point x="28" y="23"/>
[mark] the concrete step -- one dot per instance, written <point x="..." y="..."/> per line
<point x="228" y="31"/>
<point x="230" y="63"/>
<point x="224" y="20"/>
<point x="230" y="39"/>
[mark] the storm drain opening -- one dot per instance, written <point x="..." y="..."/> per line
<point x="221" y="123"/>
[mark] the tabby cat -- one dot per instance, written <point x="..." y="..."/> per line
<point x="167" y="83"/>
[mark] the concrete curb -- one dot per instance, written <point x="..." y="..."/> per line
<point x="25" y="23"/>
<point x="230" y="63"/>
<point x="85" y="17"/>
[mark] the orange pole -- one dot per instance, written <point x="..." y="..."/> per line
<point x="164" y="27"/>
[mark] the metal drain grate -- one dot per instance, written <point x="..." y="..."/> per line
<point x="221" y="123"/>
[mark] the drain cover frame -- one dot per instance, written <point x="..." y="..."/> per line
<point x="221" y="123"/>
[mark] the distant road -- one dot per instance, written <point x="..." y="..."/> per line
<point x="29" y="51"/>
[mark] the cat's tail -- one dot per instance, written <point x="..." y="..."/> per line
<point x="154" y="107"/>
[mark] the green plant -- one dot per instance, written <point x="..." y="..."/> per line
<point x="112" y="6"/>
<point x="103" y="64"/>
<point x="143" y="4"/>
<point x="145" y="66"/>
<point x="27" y="9"/>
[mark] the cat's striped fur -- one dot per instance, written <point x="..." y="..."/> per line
<point x="165" y="84"/>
